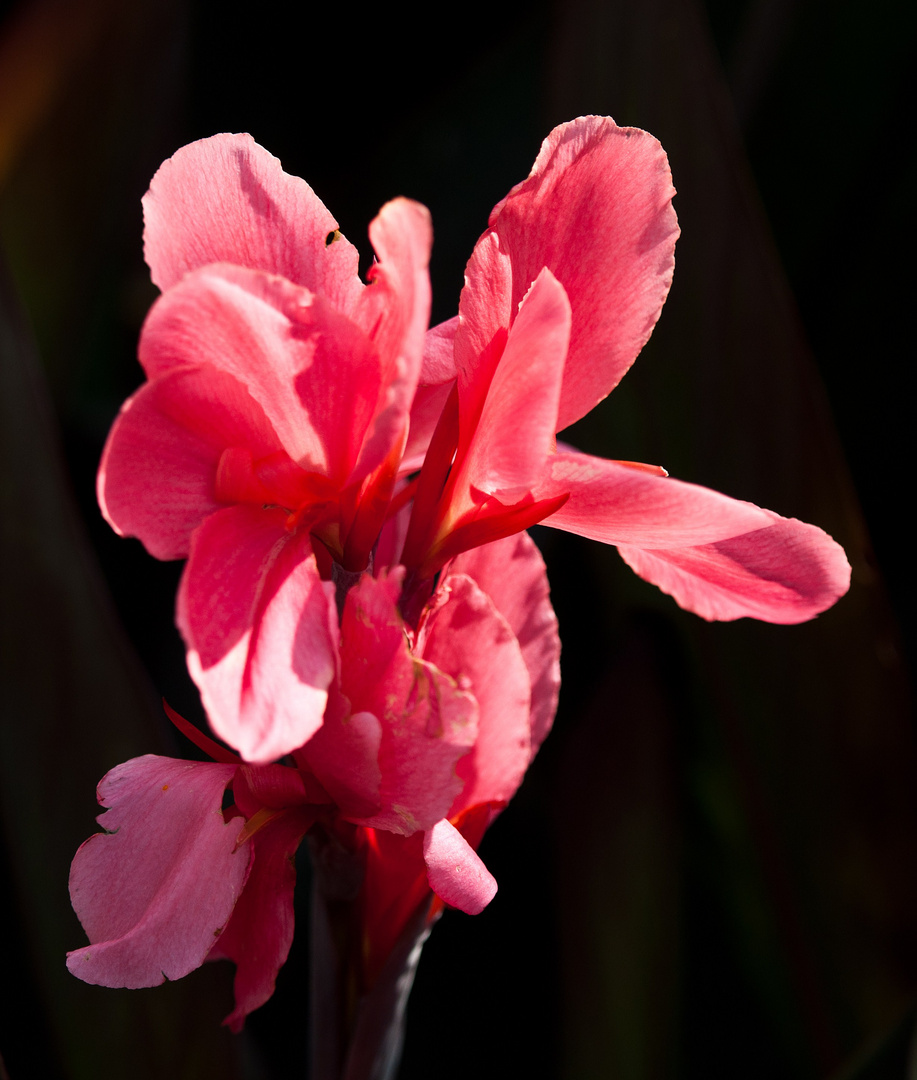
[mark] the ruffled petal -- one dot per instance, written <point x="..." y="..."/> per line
<point x="260" y="931"/>
<point x="787" y="572"/>
<point x="512" y="574"/>
<point x="226" y="199"/>
<point x="596" y="209"/>
<point x="314" y="372"/>
<point x="428" y="721"/>
<point x="156" y="479"/>
<point x="455" y="870"/>
<point x="469" y="639"/>
<point x="261" y="631"/>
<point x="156" y="888"/>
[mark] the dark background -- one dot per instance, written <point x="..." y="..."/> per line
<point x="711" y="870"/>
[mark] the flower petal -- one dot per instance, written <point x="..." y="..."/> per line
<point x="314" y="372"/>
<point x="512" y="574"/>
<point x="156" y="888"/>
<point x="619" y="503"/>
<point x="596" y="209"/>
<point x="455" y="870"/>
<point x="156" y="479"/>
<point x="787" y="572"/>
<point x="514" y="432"/>
<point x="260" y="930"/>
<point x="469" y="639"/>
<point x="226" y="199"/>
<point x="261" y="631"/>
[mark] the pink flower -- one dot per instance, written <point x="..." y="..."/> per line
<point x="275" y="414"/>
<point x="427" y="736"/>
<point x="561" y="293"/>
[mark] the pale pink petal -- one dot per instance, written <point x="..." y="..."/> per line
<point x="159" y="885"/>
<point x="314" y="373"/>
<point x="428" y="721"/>
<point x="156" y="480"/>
<point x="426" y="409"/>
<point x="625" y="504"/>
<point x="787" y="572"/>
<point x="226" y="199"/>
<point x="394" y="312"/>
<point x="439" y="353"/>
<point x="515" y="431"/>
<point x="466" y="637"/>
<point x="512" y="574"/>
<point x="260" y="931"/>
<point x="455" y="871"/>
<point x="261" y="630"/>
<point x="597" y="211"/>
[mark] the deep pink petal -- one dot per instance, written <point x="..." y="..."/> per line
<point x="260" y="931"/>
<point x="512" y="574"/>
<point x="394" y="312"/>
<point x="261" y="630"/>
<point x="596" y="210"/>
<point x="455" y="870"/>
<point x="344" y="755"/>
<point x="515" y="431"/>
<point x="156" y="888"/>
<point x="466" y="637"/>
<point x="156" y="480"/>
<point x="626" y="504"/>
<point x="428" y="722"/>
<point x="226" y="199"/>
<point x="787" y="572"/>
<point x="314" y="372"/>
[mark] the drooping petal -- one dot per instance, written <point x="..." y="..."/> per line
<point x="156" y="888"/>
<point x="512" y="574"/>
<point x="156" y="479"/>
<point x="787" y="572"/>
<point x="260" y="930"/>
<point x="428" y="721"/>
<point x="515" y="430"/>
<point x="314" y="372"/>
<point x="469" y="639"/>
<point x="596" y="210"/>
<point x="226" y="199"/>
<point x="619" y="503"/>
<point x="260" y="628"/>
<point x="455" y="870"/>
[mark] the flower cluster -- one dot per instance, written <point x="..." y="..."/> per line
<point x="366" y="619"/>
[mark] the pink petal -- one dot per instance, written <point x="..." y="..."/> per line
<point x="625" y="504"/>
<point x="428" y="404"/>
<point x="261" y="631"/>
<point x="226" y="199"/>
<point x="344" y="755"/>
<point x="515" y="431"/>
<point x="428" y="722"/>
<point x="438" y="365"/>
<point x="466" y="637"/>
<point x="394" y="313"/>
<point x="260" y="931"/>
<point x="158" y="886"/>
<point x="596" y="210"/>
<point x="313" y="372"/>
<point x="512" y="574"/>
<point x="787" y="572"/>
<point x="455" y="871"/>
<point x="156" y="480"/>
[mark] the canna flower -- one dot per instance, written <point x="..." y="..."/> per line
<point x="561" y="293"/>
<point x="427" y="737"/>
<point x="268" y="437"/>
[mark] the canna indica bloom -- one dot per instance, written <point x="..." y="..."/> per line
<point x="427" y="736"/>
